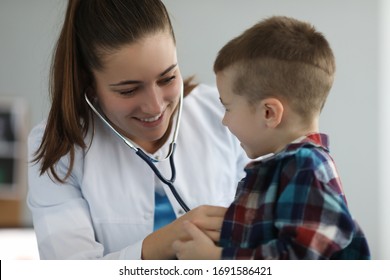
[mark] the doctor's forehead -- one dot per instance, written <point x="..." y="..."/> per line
<point x="153" y="56"/>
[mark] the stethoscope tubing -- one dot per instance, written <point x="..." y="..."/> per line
<point x="167" y="182"/>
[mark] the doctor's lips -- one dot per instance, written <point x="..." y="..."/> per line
<point x="151" y="121"/>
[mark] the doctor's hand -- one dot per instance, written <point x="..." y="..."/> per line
<point x="199" y="247"/>
<point x="208" y="219"/>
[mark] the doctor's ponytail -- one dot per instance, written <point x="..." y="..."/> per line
<point x="64" y="128"/>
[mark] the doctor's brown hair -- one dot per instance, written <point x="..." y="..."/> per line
<point x="91" y="28"/>
<point x="281" y="57"/>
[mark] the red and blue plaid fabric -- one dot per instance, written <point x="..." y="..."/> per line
<point x="291" y="206"/>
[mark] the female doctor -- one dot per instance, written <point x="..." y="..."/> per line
<point x="115" y="73"/>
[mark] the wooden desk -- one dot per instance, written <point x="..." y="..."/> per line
<point x="11" y="213"/>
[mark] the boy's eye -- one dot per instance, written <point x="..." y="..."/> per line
<point x="224" y="107"/>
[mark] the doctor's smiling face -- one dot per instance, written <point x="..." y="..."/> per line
<point x="138" y="88"/>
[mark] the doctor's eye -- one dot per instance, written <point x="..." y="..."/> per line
<point x="167" y="80"/>
<point x="127" y="92"/>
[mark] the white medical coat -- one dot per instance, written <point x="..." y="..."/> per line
<point x="106" y="208"/>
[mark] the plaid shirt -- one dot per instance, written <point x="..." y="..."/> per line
<point x="291" y="206"/>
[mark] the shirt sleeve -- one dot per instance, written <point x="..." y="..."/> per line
<point x="312" y="220"/>
<point x="61" y="216"/>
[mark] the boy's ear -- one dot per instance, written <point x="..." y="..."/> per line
<point x="272" y="111"/>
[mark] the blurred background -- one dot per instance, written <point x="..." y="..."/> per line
<point x="356" y="116"/>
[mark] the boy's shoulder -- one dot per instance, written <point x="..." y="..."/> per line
<point x="312" y="158"/>
<point x="307" y="154"/>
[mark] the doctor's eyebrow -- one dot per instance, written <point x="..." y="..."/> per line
<point x="169" y="69"/>
<point x="129" y="82"/>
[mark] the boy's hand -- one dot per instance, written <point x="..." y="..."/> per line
<point x="199" y="247"/>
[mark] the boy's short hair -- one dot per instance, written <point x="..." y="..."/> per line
<point x="284" y="58"/>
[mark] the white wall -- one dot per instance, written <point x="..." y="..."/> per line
<point x="27" y="34"/>
<point x="384" y="128"/>
<point x="28" y="30"/>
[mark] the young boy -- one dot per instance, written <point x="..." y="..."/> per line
<point x="273" y="81"/>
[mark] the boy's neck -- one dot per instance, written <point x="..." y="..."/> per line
<point x="292" y="130"/>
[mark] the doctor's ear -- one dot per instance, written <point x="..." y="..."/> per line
<point x="272" y="110"/>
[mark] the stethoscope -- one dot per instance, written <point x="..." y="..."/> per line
<point x="151" y="160"/>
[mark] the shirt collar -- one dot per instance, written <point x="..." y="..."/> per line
<point x="319" y="140"/>
<point x="315" y="139"/>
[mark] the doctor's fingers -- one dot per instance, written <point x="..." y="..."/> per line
<point x="213" y="235"/>
<point x="209" y="223"/>
<point x="183" y="250"/>
<point x="210" y="211"/>
<point x="178" y="247"/>
<point x="183" y="234"/>
<point x="193" y="230"/>
<point x="206" y="216"/>
<point x="209" y="226"/>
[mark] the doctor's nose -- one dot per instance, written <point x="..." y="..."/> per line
<point x="153" y="102"/>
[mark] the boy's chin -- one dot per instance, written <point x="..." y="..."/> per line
<point x="249" y="154"/>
